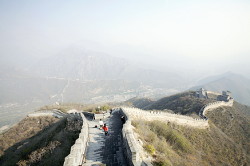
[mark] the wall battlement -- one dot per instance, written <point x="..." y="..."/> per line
<point x="133" y="149"/>
<point x="210" y="106"/>
<point x="132" y="146"/>
<point x="78" y="150"/>
<point x="183" y="120"/>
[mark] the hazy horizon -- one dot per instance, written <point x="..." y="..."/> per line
<point x="192" y="37"/>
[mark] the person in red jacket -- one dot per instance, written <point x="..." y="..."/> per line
<point x="105" y="129"/>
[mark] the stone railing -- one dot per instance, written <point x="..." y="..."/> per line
<point x="183" y="120"/>
<point x="210" y="106"/>
<point x="78" y="150"/>
<point x="133" y="149"/>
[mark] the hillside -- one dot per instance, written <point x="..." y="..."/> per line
<point x="138" y="102"/>
<point x="183" y="103"/>
<point x="226" y="142"/>
<point x="38" y="141"/>
<point x="235" y="123"/>
<point x="237" y="84"/>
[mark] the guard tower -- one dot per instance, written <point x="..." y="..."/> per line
<point x="226" y="96"/>
<point x="201" y="93"/>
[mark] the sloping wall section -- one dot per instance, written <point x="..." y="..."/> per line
<point x="78" y="150"/>
<point x="132" y="148"/>
<point x="136" y="113"/>
<point x="211" y="106"/>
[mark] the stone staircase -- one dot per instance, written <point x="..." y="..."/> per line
<point x="106" y="150"/>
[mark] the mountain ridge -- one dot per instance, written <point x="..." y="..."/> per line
<point x="237" y="84"/>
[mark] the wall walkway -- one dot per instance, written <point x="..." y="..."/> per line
<point x="122" y="147"/>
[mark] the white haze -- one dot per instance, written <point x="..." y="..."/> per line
<point x="190" y="37"/>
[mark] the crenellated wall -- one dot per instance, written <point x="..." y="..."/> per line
<point x="136" y="113"/>
<point x="214" y="105"/>
<point x="133" y="149"/>
<point x="132" y="146"/>
<point x="78" y="150"/>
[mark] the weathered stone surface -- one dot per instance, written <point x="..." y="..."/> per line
<point x="76" y="156"/>
<point x="135" y="113"/>
<point x="106" y="149"/>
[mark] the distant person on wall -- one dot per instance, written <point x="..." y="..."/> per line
<point x="101" y="123"/>
<point x="105" y="129"/>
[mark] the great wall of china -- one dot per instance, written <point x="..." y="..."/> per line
<point x="78" y="150"/>
<point x="138" y="114"/>
<point x="131" y="145"/>
<point x="210" y="106"/>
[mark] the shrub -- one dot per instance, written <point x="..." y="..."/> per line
<point x="150" y="149"/>
<point x="176" y="139"/>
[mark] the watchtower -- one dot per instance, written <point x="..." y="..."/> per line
<point x="201" y="93"/>
<point x="226" y="96"/>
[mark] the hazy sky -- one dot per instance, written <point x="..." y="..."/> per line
<point x="212" y="34"/>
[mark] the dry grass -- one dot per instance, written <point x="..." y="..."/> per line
<point x="49" y="146"/>
<point x="177" y="145"/>
<point x="27" y="128"/>
<point x="183" y="103"/>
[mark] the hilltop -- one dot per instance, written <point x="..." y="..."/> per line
<point x="139" y="102"/>
<point x="185" y="103"/>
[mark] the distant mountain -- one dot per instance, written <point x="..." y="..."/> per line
<point x="77" y="75"/>
<point x="80" y="64"/>
<point x="237" y="84"/>
<point x="75" y="63"/>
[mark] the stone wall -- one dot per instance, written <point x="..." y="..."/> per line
<point x="55" y="113"/>
<point x="214" y="105"/>
<point x="133" y="149"/>
<point x="136" y="113"/>
<point x="78" y="150"/>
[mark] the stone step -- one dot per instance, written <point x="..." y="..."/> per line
<point x="106" y="149"/>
